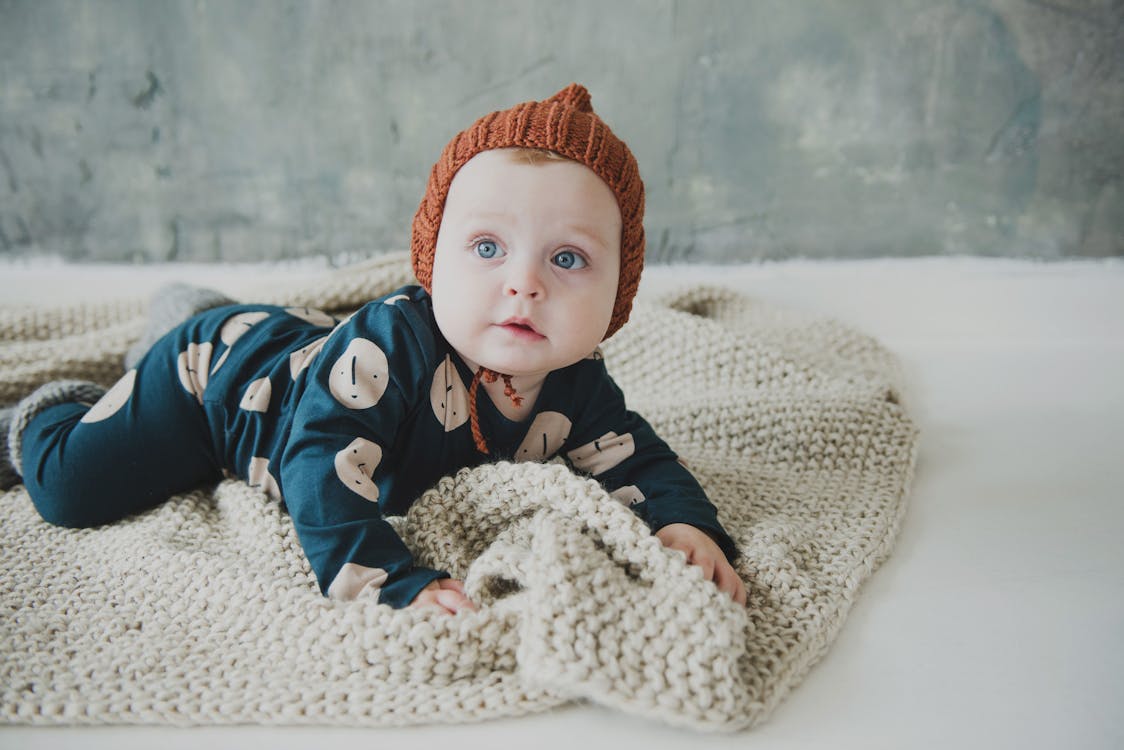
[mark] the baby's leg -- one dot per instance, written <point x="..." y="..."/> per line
<point x="146" y="439"/>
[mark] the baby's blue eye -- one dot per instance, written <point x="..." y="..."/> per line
<point x="487" y="249"/>
<point x="568" y="259"/>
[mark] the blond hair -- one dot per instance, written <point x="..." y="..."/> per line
<point x="533" y="156"/>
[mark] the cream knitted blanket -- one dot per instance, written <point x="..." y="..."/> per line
<point x="204" y="610"/>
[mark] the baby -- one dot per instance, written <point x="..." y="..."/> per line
<point x="528" y="247"/>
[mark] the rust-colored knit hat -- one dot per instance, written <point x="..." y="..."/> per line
<point x="566" y="124"/>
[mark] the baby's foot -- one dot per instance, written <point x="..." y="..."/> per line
<point x="171" y="305"/>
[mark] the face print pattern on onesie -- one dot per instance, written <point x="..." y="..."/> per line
<point x="448" y="396"/>
<point x="113" y="400"/>
<point x="355" y="467"/>
<point x="359" y="377"/>
<point x="629" y="495"/>
<point x="193" y="365"/>
<point x="259" y="477"/>
<point x="302" y="358"/>
<point x="233" y="329"/>
<point x="548" y="433"/>
<point x="257" y="396"/>
<point x="354" y="580"/>
<point x="237" y="325"/>
<point x="603" y="453"/>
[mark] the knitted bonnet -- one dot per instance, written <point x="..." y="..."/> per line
<point x="566" y="124"/>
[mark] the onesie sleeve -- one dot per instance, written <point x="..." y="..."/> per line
<point x="620" y="449"/>
<point x="360" y="391"/>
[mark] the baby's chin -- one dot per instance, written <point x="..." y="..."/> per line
<point x="518" y="361"/>
<point x="516" y="367"/>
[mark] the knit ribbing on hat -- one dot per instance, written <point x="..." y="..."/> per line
<point x="566" y="124"/>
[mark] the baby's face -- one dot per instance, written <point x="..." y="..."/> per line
<point x="527" y="262"/>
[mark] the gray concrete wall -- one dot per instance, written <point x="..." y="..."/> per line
<point x="156" y="130"/>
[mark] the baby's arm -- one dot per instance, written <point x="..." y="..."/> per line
<point x="339" y="463"/>
<point x="622" y="451"/>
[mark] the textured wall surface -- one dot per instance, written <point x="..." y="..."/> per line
<point x="258" y="129"/>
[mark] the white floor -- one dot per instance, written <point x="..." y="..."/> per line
<point x="999" y="620"/>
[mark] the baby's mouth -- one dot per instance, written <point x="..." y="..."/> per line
<point x="521" y="327"/>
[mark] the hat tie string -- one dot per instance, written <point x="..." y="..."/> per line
<point x="488" y="376"/>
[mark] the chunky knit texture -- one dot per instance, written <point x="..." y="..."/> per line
<point x="204" y="610"/>
<point x="566" y="124"/>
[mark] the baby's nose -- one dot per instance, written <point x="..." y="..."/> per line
<point x="524" y="281"/>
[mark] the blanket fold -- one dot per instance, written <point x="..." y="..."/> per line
<point x="204" y="610"/>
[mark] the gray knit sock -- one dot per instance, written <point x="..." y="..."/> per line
<point x="8" y="475"/>
<point x="44" y="397"/>
<point x="171" y="305"/>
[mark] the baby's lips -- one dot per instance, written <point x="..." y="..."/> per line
<point x="523" y="323"/>
<point x="521" y="327"/>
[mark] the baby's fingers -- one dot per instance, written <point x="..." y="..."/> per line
<point x="454" y="601"/>
<point x="728" y="581"/>
<point x="452" y="584"/>
<point x="446" y="595"/>
<point x="708" y="565"/>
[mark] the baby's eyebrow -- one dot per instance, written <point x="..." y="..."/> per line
<point x="588" y="233"/>
<point x="480" y="213"/>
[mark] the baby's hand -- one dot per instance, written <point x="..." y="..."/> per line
<point x="701" y="550"/>
<point x="446" y="594"/>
